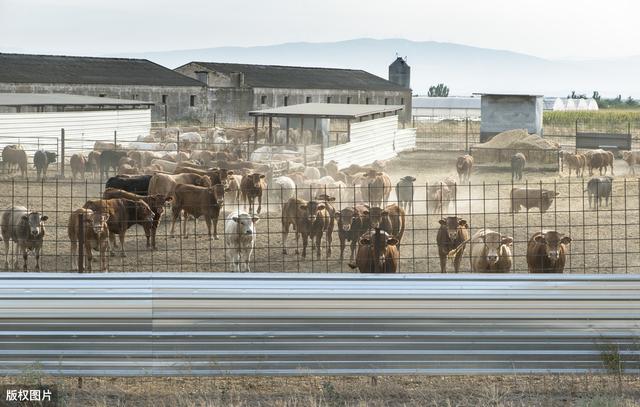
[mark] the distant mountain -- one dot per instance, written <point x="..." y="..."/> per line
<point x="463" y="68"/>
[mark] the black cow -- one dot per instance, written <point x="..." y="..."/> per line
<point x="110" y="159"/>
<point x="41" y="160"/>
<point x="137" y="184"/>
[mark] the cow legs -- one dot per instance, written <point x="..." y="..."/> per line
<point x="6" y="253"/>
<point x="112" y="244"/>
<point x="208" y="222"/>
<point x="443" y="263"/>
<point x="343" y="243"/>
<point x="456" y="262"/>
<point x="74" y="253"/>
<point x="89" y="256"/>
<point x="353" y="250"/>
<point x="305" y="242"/>
<point x="123" y="253"/>
<point x="318" y="244"/>
<point x="104" y="259"/>
<point x="215" y="229"/>
<point x="25" y="254"/>
<point x="259" y="203"/>
<point x="285" y="233"/>
<point x="176" y="215"/>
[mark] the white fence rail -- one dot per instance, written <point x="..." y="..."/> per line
<point x="82" y="128"/>
<point x="298" y="324"/>
<point x="370" y="140"/>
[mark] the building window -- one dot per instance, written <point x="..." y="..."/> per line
<point x="386" y="101"/>
<point x="164" y="99"/>
<point x="202" y="77"/>
<point x="348" y="100"/>
<point x="192" y="100"/>
<point x="102" y="95"/>
<point x="366" y="101"/>
<point x="308" y="99"/>
<point x="402" y="101"/>
<point x="286" y="101"/>
<point x="328" y="99"/>
<point x="134" y="96"/>
<point x="263" y="99"/>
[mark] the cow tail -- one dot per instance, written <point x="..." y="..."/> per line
<point x="453" y="253"/>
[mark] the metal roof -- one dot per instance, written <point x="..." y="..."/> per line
<point x="207" y="324"/>
<point x="25" y="68"/>
<point x="299" y="77"/>
<point x="327" y="110"/>
<point x="507" y="94"/>
<point x="62" y="99"/>
<point x="446" y="102"/>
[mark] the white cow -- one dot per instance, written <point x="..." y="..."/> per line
<point x="283" y="189"/>
<point x="312" y="173"/>
<point x="240" y="238"/>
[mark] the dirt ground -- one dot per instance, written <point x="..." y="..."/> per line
<point x="310" y="391"/>
<point x="606" y="240"/>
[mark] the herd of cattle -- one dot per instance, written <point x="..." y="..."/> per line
<point x="354" y="201"/>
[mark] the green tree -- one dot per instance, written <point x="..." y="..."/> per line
<point x="440" y="89"/>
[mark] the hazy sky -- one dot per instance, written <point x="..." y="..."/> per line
<point x="546" y="28"/>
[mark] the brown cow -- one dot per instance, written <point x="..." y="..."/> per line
<point x="251" y="187"/>
<point x="377" y="253"/>
<point x="13" y="156"/>
<point x="463" y="167"/>
<point x="198" y="201"/>
<point x="78" y="163"/>
<point x="452" y="233"/>
<point x="532" y="198"/>
<point x="376" y="188"/>
<point x="440" y="195"/>
<point x="94" y="163"/>
<point x="391" y="220"/>
<point x="123" y="213"/>
<point x="575" y="162"/>
<point x="331" y="210"/>
<point x="353" y="222"/>
<point x="632" y="158"/>
<point x="165" y="184"/>
<point x="95" y="234"/>
<point x="232" y="194"/>
<point x="490" y="252"/>
<point x="216" y="175"/>
<point x="599" y="159"/>
<point x="156" y="203"/>
<point x="309" y="219"/>
<point x="547" y="252"/>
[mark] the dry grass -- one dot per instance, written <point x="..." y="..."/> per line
<point x="511" y="390"/>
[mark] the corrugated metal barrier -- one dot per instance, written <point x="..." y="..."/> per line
<point x="296" y="324"/>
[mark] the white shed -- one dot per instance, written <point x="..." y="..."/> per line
<point x="36" y="121"/>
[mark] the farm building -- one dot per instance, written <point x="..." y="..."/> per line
<point x="236" y="89"/>
<point x="502" y="112"/>
<point x="37" y="121"/>
<point x="172" y="94"/>
<point x="438" y="108"/>
<point x="562" y="104"/>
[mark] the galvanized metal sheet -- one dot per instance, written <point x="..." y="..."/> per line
<point x="290" y="324"/>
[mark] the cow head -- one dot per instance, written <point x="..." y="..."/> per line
<point x="492" y="243"/>
<point x="546" y="199"/>
<point x="144" y="212"/>
<point x="376" y="215"/>
<point x="217" y="192"/>
<point x="35" y="222"/>
<point x="255" y="179"/>
<point x="311" y="209"/>
<point x="452" y="224"/>
<point x="325" y="197"/>
<point x="378" y="240"/>
<point x="202" y="181"/>
<point x="245" y="223"/>
<point x="551" y="242"/>
<point x="347" y="217"/>
<point x="97" y="221"/>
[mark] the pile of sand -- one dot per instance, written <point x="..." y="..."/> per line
<point x="518" y="140"/>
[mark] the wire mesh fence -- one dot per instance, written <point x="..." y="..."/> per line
<point x="605" y="236"/>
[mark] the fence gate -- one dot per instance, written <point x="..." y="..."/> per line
<point x="610" y="138"/>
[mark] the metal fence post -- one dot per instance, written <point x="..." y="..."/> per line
<point x="62" y="153"/>
<point x="466" y="135"/>
<point x="115" y="139"/>
<point x="81" y="243"/>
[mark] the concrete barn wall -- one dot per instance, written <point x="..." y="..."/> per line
<point x="178" y="97"/>
<point x="507" y="112"/>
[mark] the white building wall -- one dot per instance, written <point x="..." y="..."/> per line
<point x="82" y="128"/>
